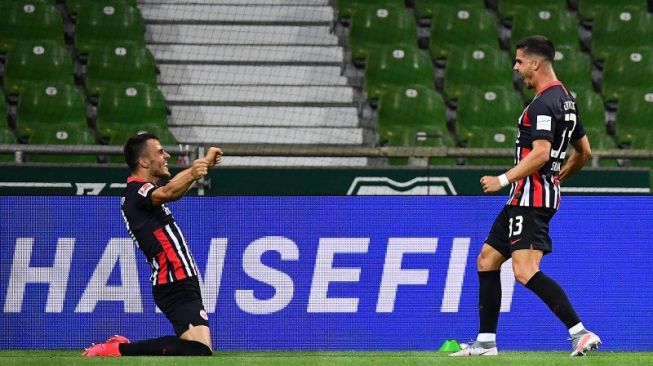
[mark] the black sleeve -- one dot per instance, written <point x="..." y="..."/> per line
<point x="142" y="195"/>
<point x="578" y="132"/>
<point x="542" y="121"/>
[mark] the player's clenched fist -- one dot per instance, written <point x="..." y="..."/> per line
<point x="213" y="156"/>
<point x="199" y="168"/>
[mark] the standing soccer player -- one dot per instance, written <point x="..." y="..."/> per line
<point x="521" y="230"/>
<point x="150" y="223"/>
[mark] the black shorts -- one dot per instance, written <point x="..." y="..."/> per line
<point x="519" y="227"/>
<point x="181" y="302"/>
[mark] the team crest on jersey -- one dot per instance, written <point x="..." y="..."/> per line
<point x="145" y="188"/>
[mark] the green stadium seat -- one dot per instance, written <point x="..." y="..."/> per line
<point x="44" y="105"/>
<point x="25" y="21"/>
<point x="132" y="104"/>
<point x="573" y="67"/>
<point x="634" y="118"/>
<point x="73" y="6"/>
<point x="413" y="116"/>
<point x="508" y="9"/>
<point x="623" y="27"/>
<point x="376" y="26"/>
<point x="347" y="8"/>
<point x="7" y="137"/>
<point x="60" y="134"/>
<point x="99" y="24"/>
<point x="476" y="66"/>
<point x="592" y="114"/>
<point x="561" y="27"/>
<point x="122" y="64"/>
<point x="461" y="26"/>
<point x="625" y="70"/>
<point x="487" y="118"/>
<point x="37" y="62"/>
<point x="589" y="9"/>
<point x="396" y="66"/>
<point x="428" y="9"/>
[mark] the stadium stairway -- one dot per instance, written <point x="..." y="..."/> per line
<point x="254" y="71"/>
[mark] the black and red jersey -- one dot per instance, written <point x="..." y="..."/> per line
<point x="156" y="233"/>
<point x="552" y="116"/>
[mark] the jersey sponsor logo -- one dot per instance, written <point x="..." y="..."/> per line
<point x="513" y="242"/>
<point x="544" y="122"/>
<point x="145" y="188"/>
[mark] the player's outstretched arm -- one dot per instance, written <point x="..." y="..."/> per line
<point x="181" y="182"/>
<point x="581" y="154"/>
<point x="530" y="164"/>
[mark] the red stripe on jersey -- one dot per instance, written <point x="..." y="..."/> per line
<point x="538" y="192"/>
<point x="525" y="120"/>
<point x="170" y="254"/>
<point x="162" y="278"/>
<point x="520" y="186"/>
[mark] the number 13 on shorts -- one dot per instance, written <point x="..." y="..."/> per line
<point x="515" y="226"/>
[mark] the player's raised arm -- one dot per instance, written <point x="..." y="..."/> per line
<point x="180" y="184"/>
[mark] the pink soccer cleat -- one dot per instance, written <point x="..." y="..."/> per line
<point x="110" y="348"/>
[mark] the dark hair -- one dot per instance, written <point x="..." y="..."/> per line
<point x="537" y="45"/>
<point x="135" y="147"/>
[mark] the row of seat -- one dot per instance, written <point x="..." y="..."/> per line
<point x="506" y="9"/>
<point x="97" y="23"/>
<point x="57" y="114"/>
<point x="459" y="23"/>
<point x="487" y="118"/>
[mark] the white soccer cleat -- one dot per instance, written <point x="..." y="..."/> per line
<point x="477" y="349"/>
<point x="584" y="342"/>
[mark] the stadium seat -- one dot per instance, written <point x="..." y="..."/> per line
<point x="126" y="63"/>
<point x="37" y="62"/>
<point x="622" y="27"/>
<point x="412" y="116"/>
<point x="509" y="8"/>
<point x="461" y="26"/>
<point x="627" y="69"/>
<point x="40" y="106"/>
<point x="476" y="66"/>
<point x="589" y="9"/>
<point x="573" y="67"/>
<point x="428" y="9"/>
<point x="73" y="6"/>
<point x="561" y="27"/>
<point x="376" y="26"/>
<point x="60" y="134"/>
<point x="347" y="8"/>
<point x="634" y="116"/>
<point x="6" y="137"/>
<point x="99" y="24"/>
<point x="24" y="21"/>
<point x="396" y="66"/>
<point x="131" y="104"/>
<point x="487" y="118"/>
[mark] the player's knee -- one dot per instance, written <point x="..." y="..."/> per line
<point x="523" y="275"/>
<point x="484" y="263"/>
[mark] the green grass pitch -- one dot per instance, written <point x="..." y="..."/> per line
<point x="71" y="358"/>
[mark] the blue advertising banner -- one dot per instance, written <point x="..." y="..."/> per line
<point x="321" y="273"/>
